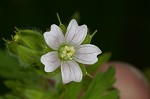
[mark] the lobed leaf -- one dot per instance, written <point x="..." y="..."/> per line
<point x="101" y="85"/>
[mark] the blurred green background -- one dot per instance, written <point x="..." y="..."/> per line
<point x="123" y="25"/>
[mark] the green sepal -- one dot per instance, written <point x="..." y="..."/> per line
<point x="63" y="28"/>
<point x="57" y="71"/>
<point x="28" y="56"/>
<point x="84" y="72"/>
<point x="88" y="38"/>
<point x="12" y="47"/>
<point x="46" y="49"/>
<point x="31" y="38"/>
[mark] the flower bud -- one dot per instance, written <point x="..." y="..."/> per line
<point x="30" y="38"/>
<point x="28" y="56"/>
<point x="11" y="46"/>
<point x="28" y="46"/>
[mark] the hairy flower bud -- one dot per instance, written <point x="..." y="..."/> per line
<point x="30" y="38"/>
<point x="12" y="47"/>
<point x="28" y="46"/>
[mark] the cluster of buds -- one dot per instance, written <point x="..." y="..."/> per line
<point x="27" y="46"/>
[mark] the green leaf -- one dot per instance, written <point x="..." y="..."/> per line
<point x="1" y="97"/>
<point x="9" y="67"/>
<point x="9" y="96"/>
<point x="33" y="94"/>
<point x="114" y="94"/>
<point x="101" y="85"/>
<point x="12" y="84"/>
<point x="101" y="59"/>
<point x="6" y="60"/>
<point x="21" y="81"/>
<point x="72" y="91"/>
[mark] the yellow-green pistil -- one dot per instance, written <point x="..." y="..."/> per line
<point x="66" y="52"/>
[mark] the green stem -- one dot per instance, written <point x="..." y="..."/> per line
<point x="89" y="75"/>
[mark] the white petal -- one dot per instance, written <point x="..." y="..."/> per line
<point x="87" y="54"/>
<point x="54" y="38"/>
<point x="75" y="34"/>
<point x="51" y="61"/>
<point x="70" y="71"/>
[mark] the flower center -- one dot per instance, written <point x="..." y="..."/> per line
<point x="66" y="52"/>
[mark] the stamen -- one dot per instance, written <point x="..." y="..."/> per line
<point x="67" y="52"/>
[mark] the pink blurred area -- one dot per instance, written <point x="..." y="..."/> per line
<point x="131" y="83"/>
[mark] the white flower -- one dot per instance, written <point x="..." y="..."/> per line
<point x="67" y="50"/>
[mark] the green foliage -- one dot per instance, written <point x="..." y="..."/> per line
<point x="9" y="96"/>
<point x="72" y="91"/>
<point x="101" y="86"/>
<point x="33" y="94"/>
<point x="33" y="83"/>
<point x="25" y="83"/>
<point x="8" y="66"/>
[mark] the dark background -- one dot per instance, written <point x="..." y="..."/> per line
<point x="123" y="25"/>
